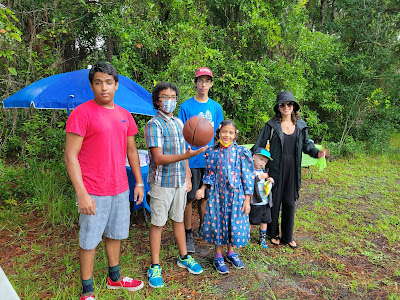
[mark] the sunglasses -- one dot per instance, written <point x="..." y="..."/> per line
<point x="288" y="104"/>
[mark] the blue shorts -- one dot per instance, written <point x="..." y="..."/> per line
<point x="111" y="219"/>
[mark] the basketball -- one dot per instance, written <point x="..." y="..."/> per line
<point x="198" y="131"/>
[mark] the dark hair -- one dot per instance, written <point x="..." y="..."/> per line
<point x="295" y="116"/>
<point x="221" y="125"/>
<point x="196" y="78"/>
<point x="103" y="68"/>
<point x="163" y="85"/>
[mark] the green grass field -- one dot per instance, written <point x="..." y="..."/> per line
<point x="347" y="228"/>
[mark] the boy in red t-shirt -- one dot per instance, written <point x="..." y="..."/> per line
<point x="99" y="136"/>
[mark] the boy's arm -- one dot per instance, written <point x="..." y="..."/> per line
<point x="73" y="145"/>
<point x="188" y="177"/>
<point x="163" y="159"/>
<point x="134" y="162"/>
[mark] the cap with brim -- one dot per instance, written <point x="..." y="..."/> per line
<point x="285" y="97"/>
<point x="203" y="71"/>
<point x="264" y="152"/>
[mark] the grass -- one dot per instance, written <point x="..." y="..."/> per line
<point x="347" y="228"/>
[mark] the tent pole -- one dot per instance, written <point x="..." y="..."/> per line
<point x="70" y="96"/>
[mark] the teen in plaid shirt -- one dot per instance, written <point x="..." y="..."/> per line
<point x="169" y="178"/>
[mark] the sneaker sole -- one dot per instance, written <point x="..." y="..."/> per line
<point x="231" y="262"/>
<point x="187" y="268"/>
<point x="154" y="286"/>
<point x="131" y="289"/>
<point x="220" y="272"/>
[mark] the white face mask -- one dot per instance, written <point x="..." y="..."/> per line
<point x="168" y="106"/>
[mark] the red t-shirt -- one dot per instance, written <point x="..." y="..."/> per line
<point x="102" y="157"/>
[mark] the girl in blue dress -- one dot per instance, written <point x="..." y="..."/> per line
<point x="230" y="176"/>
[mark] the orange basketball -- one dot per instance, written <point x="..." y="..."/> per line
<point x="198" y="131"/>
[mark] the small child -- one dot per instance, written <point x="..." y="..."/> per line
<point x="261" y="202"/>
<point x="169" y="178"/>
<point x="230" y="176"/>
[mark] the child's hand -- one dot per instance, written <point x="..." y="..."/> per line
<point x="246" y="205"/>
<point x="200" y="194"/>
<point x="271" y="180"/>
<point x="138" y="194"/>
<point x="263" y="176"/>
<point x="190" y="153"/>
<point x="87" y="205"/>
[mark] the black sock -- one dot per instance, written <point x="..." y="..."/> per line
<point x="153" y="265"/>
<point x="188" y="231"/>
<point x="87" y="286"/>
<point x="183" y="257"/>
<point x="113" y="273"/>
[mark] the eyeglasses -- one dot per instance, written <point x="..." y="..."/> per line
<point x="288" y="104"/>
<point x="201" y="81"/>
<point x="165" y="98"/>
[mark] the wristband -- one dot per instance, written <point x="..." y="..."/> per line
<point x="139" y="184"/>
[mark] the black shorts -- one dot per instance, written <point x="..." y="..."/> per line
<point x="260" y="214"/>
<point x="197" y="182"/>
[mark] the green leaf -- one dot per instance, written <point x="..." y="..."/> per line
<point x="13" y="71"/>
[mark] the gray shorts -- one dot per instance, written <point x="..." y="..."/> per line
<point x="111" y="219"/>
<point x="167" y="202"/>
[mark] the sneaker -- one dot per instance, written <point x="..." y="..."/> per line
<point x="235" y="261"/>
<point x="155" y="279"/>
<point x="220" y="266"/>
<point x="190" y="242"/>
<point x="263" y="243"/>
<point x="91" y="297"/>
<point x="126" y="283"/>
<point x="190" y="264"/>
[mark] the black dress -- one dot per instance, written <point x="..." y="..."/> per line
<point x="285" y="193"/>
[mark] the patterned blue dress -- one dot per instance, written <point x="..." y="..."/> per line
<point x="230" y="174"/>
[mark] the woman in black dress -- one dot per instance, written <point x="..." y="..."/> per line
<point x="287" y="136"/>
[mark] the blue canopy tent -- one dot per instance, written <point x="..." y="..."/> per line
<point x="68" y="90"/>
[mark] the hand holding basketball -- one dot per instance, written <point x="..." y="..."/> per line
<point x="198" y="131"/>
<point x="190" y="153"/>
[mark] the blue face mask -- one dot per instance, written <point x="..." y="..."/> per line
<point x="168" y="106"/>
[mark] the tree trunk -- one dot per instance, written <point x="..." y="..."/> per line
<point x="324" y="3"/>
<point x="109" y="49"/>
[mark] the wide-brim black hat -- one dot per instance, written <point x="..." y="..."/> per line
<point x="285" y="97"/>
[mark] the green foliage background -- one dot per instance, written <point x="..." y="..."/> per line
<point x="339" y="58"/>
